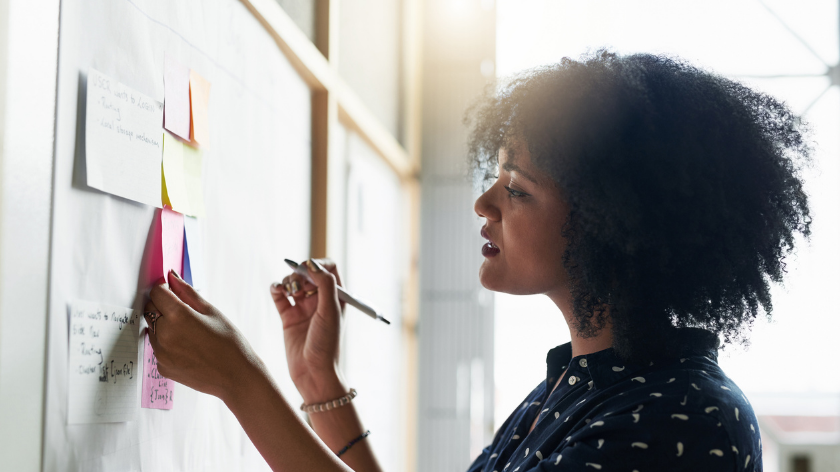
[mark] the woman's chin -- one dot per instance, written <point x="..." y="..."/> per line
<point x="490" y="277"/>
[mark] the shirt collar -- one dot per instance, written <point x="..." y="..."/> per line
<point x="606" y="368"/>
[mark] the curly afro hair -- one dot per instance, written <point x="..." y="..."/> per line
<point x="685" y="190"/>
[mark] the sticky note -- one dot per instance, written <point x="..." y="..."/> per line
<point x="165" y="250"/>
<point x="193" y="253"/>
<point x="175" y="190"/>
<point x="176" y="102"/>
<point x="157" y="389"/>
<point x="192" y="180"/>
<point x="102" y="367"/>
<point x="123" y="144"/>
<point x="172" y="240"/>
<point x="199" y="100"/>
<point x="186" y="270"/>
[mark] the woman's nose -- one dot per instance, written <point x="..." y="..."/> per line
<point x="485" y="208"/>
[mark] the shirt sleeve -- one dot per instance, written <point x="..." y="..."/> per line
<point x="643" y="443"/>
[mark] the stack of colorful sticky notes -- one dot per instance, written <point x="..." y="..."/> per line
<point x="128" y="154"/>
<point x="185" y="117"/>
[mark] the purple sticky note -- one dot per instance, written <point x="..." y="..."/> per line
<point x="176" y="103"/>
<point x="157" y="389"/>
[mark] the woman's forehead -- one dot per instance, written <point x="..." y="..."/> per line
<point x="519" y="161"/>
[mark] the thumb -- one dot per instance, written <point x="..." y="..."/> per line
<point x="187" y="293"/>
<point x="326" y="283"/>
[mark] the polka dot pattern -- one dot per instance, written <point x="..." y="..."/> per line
<point x="683" y="414"/>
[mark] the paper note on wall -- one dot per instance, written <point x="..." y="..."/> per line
<point x="193" y="254"/>
<point x="102" y="382"/>
<point x="176" y="104"/>
<point x="167" y="246"/>
<point x="123" y="142"/>
<point x="175" y="193"/>
<point x="157" y="390"/>
<point x="199" y="101"/>
<point x="192" y="180"/>
<point x="172" y="240"/>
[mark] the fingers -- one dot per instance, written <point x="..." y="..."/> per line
<point x="186" y="293"/>
<point x="166" y="302"/>
<point x="281" y="300"/>
<point x="153" y="317"/>
<point x="296" y="285"/>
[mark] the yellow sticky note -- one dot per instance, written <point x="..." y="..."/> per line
<point x="173" y="174"/>
<point x="199" y="98"/>
<point x="192" y="179"/>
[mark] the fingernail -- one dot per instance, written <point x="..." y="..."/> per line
<point x="314" y="266"/>
<point x="172" y="271"/>
<point x="276" y="287"/>
<point x="288" y="288"/>
<point x="295" y="287"/>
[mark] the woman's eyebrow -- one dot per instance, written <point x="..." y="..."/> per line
<point x="511" y="167"/>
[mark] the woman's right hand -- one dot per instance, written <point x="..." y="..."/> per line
<point x="312" y="330"/>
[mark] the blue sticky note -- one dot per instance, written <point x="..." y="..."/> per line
<point x="186" y="271"/>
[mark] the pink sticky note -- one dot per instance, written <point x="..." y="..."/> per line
<point x="157" y="389"/>
<point x="166" y="250"/>
<point x="172" y="240"/>
<point x="176" y="104"/>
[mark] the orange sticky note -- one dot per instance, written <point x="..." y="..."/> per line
<point x="199" y="98"/>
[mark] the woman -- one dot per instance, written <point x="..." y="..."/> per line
<point x="651" y="201"/>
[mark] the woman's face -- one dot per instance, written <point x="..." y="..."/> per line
<point x="524" y="218"/>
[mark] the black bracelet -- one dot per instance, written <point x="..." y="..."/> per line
<point x="350" y="444"/>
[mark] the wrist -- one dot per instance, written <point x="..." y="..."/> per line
<point x="323" y="388"/>
<point x="250" y="377"/>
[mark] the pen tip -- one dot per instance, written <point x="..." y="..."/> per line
<point x="383" y="319"/>
<point x="291" y="262"/>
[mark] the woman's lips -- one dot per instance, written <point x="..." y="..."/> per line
<point x="489" y="249"/>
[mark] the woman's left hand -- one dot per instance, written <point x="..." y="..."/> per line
<point x="195" y="344"/>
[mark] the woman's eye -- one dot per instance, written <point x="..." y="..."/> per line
<point x="515" y="193"/>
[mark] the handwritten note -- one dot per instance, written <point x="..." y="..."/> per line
<point x="102" y="362"/>
<point x="157" y="389"/>
<point x="175" y="190"/>
<point x="123" y="142"/>
<point x="176" y="105"/>
<point x="193" y="254"/>
<point x="172" y="240"/>
<point x="192" y="180"/>
<point x="199" y="101"/>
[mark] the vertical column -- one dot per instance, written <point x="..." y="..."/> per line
<point x="28" y="70"/>
<point x="455" y="327"/>
<point x="325" y="170"/>
<point x="412" y="38"/>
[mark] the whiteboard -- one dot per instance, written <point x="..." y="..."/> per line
<point x="257" y="193"/>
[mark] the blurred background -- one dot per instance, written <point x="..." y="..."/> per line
<point x="392" y="204"/>
<point x="466" y="357"/>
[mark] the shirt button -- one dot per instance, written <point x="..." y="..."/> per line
<point x="573" y="380"/>
<point x="582" y="363"/>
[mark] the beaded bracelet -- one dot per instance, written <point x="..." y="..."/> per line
<point x="338" y="402"/>
<point x="350" y="444"/>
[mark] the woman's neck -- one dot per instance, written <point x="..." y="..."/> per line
<point x="581" y="345"/>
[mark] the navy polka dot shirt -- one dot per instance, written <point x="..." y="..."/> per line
<point x="680" y="415"/>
